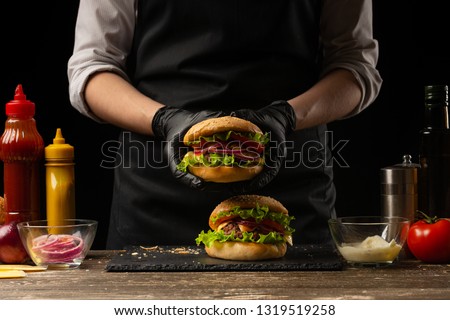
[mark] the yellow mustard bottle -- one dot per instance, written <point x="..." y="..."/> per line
<point x="60" y="180"/>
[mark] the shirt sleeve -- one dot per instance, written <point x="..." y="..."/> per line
<point x="103" y="37"/>
<point x="348" y="43"/>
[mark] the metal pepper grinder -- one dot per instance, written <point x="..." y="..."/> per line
<point x="399" y="195"/>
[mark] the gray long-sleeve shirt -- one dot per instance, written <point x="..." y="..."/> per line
<point x="104" y="35"/>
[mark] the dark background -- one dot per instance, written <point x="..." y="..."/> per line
<point x="36" y="39"/>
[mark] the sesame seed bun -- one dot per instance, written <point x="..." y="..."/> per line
<point x="246" y="251"/>
<point x="208" y="127"/>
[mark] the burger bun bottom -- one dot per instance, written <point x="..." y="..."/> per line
<point x="234" y="250"/>
<point x="224" y="174"/>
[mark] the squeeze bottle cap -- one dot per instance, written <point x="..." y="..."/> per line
<point x="59" y="150"/>
<point x="20" y="106"/>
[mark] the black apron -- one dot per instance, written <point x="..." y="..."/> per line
<point x="220" y="55"/>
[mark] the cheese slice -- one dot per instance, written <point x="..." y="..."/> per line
<point x="288" y="239"/>
<point x="5" y="274"/>
<point x="21" y="267"/>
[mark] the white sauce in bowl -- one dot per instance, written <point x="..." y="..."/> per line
<point x="372" y="249"/>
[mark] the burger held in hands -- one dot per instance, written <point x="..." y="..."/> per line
<point x="248" y="227"/>
<point x="225" y="149"/>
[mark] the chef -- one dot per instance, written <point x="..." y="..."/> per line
<point x="155" y="68"/>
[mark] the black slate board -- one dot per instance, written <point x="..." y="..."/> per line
<point x="191" y="258"/>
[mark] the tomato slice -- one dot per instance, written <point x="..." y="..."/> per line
<point x="273" y="225"/>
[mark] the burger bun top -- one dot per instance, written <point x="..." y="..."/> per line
<point x="208" y="127"/>
<point x="245" y="202"/>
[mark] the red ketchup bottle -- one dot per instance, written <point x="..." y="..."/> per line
<point x="21" y="150"/>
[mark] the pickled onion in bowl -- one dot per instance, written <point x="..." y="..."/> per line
<point x="57" y="248"/>
<point x="63" y="246"/>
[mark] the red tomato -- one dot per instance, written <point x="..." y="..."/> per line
<point x="429" y="240"/>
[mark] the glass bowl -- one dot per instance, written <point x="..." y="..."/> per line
<point x="58" y="247"/>
<point x="369" y="240"/>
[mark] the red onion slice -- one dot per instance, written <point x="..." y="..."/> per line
<point x="44" y="241"/>
<point x="58" y="248"/>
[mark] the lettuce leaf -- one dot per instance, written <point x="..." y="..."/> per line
<point x="212" y="160"/>
<point x="209" y="237"/>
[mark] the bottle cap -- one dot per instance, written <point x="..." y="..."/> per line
<point x="20" y="106"/>
<point x="59" y="150"/>
<point x="436" y="96"/>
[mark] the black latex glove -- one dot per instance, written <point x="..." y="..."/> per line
<point x="278" y="119"/>
<point x="170" y="124"/>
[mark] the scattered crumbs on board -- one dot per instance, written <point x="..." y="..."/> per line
<point x="178" y="250"/>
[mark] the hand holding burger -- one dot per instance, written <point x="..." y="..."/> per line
<point x="169" y="125"/>
<point x="279" y="120"/>
<point x="225" y="149"/>
<point x="248" y="227"/>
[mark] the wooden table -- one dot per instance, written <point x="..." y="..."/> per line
<point x="406" y="279"/>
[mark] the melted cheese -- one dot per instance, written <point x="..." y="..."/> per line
<point x="289" y="240"/>
<point x="245" y="228"/>
<point x="222" y="225"/>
